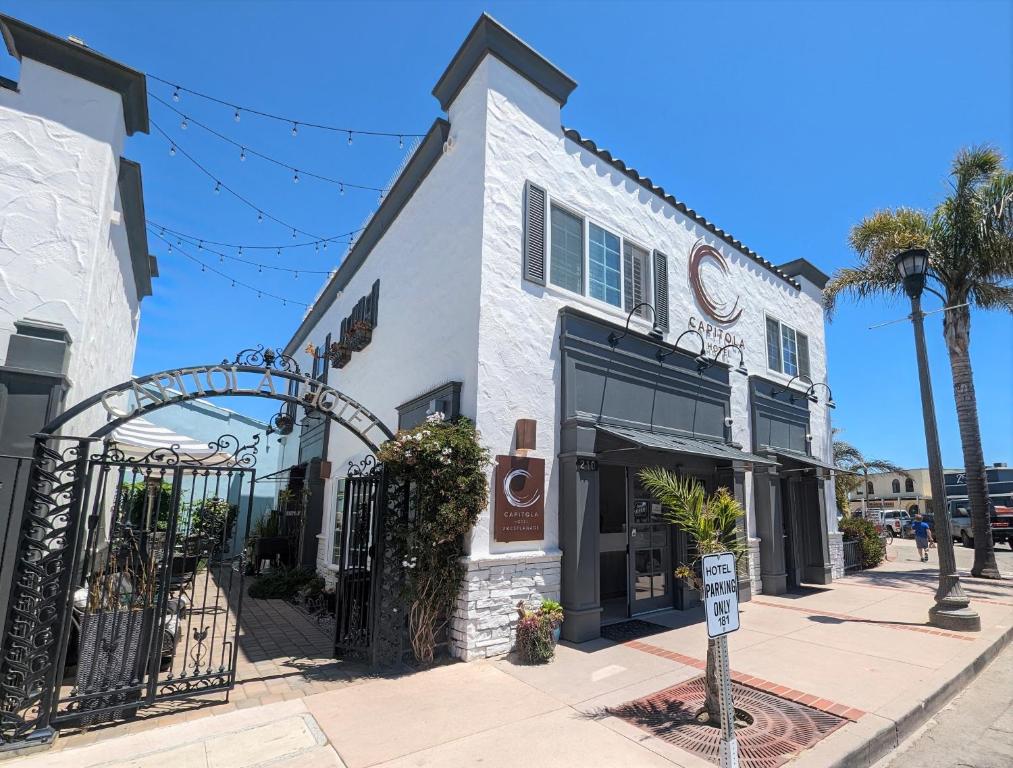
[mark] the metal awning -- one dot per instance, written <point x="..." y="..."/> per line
<point x="685" y="445"/>
<point x="803" y="458"/>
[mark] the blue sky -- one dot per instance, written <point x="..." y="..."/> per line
<point x="785" y="123"/>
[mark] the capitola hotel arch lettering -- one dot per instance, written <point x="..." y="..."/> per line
<point x="56" y="503"/>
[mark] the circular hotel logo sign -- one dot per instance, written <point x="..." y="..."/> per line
<point x="520" y="499"/>
<point x="712" y="285"/>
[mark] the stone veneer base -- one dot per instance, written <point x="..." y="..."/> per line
<point x="485" y="620"/>
<point x="755" y="584"/>
<point x="836" y="541"/>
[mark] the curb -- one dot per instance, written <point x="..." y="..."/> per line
<point x="889" y="736"/>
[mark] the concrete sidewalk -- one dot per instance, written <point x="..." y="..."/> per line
<point x="859" y="648"/>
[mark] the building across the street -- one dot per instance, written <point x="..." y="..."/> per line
<point x="74" y="255"/>
<point x="591" y="324"/>
<point x="911" y="490"/>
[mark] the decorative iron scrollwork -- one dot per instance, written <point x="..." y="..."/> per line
<point x="268" y="358"/>
<point x="368" y="466"/>
<point x="225" y="451"/>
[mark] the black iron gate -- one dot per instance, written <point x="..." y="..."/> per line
<point x="128" y="571"/>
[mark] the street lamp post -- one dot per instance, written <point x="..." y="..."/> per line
<point x="952" y="609"/>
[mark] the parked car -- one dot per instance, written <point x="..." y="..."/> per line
<point x="899" y="520"/>
<point x="1001" y="519"/>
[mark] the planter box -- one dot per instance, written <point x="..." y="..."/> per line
<point x="341" y="357"/>
<point x="112" y="656"/>
<point x="357" y="337"/>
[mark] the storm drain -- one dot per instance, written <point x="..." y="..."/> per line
<point x="634" y="629"/>
<point x="780" y="728"/>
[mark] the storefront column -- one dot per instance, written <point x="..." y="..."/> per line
<point x="770" y="529"/>
<point x="734" y="479"/>
<point x="818" y="566"/>
<point x="578" y="534"/>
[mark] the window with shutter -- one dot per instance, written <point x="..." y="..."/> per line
<point x="635" y="278"/>
<point x="773" y="345"/>
<point x="661" y="289"/>
<point x="534" y="233"/>
<point x="803" y="354"/>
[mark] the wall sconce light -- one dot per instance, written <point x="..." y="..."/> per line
<point x="811" y="393"/>
<point x="742" y="359"/>
<point x="655" y="333"/>
<point x="774" y="391"/>
<point x="525" y="434"/>
<point x="702" y="363"/>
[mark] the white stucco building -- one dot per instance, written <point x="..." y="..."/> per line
<point x="505" y="267"/>
<point x="74" y="262"/>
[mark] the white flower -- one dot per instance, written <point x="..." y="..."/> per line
<point x="434" y="417"/>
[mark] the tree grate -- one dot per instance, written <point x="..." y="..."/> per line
<point x="780" y="728"/>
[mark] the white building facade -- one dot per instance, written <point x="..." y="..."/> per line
<point x="522" y="273"/>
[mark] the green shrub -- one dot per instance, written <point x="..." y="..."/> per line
<point x="864" y="532"/>
<point x="281" y="583"/>
<point x="535" y="644"/>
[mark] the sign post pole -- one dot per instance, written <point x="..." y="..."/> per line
<point x="721" y="606"/>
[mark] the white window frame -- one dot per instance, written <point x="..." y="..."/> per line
<point x="585" y="295"/>
<point x="338" y="503"/>
<point x="780" y="347"/>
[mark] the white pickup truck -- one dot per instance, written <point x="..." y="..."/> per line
<point x="960" y="522"/>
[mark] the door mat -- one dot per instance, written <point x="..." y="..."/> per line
<point x="780" y="728"/>
<point x="634" y="629"/>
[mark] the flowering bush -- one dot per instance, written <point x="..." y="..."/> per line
<point x="445" y="467"/>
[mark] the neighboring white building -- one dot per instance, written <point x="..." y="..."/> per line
<point x="74" y="262"/>
<point x="507" y="253"/>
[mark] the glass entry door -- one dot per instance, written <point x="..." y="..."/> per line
<point x="650" y="559"/>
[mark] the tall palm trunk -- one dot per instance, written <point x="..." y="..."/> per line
<point x="712" y="701"/>
<point x="957" y="332"/>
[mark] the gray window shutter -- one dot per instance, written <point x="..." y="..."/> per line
<point x="534" y="233"/>
<point x="629" y="299"/>
<point x="661" y="289"/>
<point x="803" y="353"/>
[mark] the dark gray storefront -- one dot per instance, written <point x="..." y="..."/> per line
<point x="790" y="500"/>
<point x="623" y="409"/>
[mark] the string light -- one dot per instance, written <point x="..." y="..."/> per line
<point x="349" y="138"/>
<point x="183" y="123"/>
<point x="236" y="116"/>
<point x="172" y="150"/>
<point x="241" y="247"/>
<point x="229" y="189"/>
<point x="295" y="129"/>
<point x="295" y="177"/>
<point x="218" y="187"/>
<point x="400" y="142"/>
<point x="236" y="108"/>
<point x="260" y="217"/>
<point x="244" y="151"/>
<point x="233" y="281"/>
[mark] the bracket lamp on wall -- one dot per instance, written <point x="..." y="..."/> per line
<point x="655" y="333"/>
<point x="774" y="391"/>
<point x="811" y="393"/>
<point x="742" y="359"/>
<point x="702" y="363"/>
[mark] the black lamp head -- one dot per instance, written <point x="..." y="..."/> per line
<point x="912" y="266"/>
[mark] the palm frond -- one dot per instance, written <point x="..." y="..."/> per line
<point x="993" y="296"/>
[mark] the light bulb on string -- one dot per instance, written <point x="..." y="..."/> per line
<point x="221" y="259"/>
<point x="233" y="283"/>
<point x="200" y="245"/>
<point x="183" y="123"/>
<point x="295" y="129"/>
<point x="279" y="252"/>
<point x="260" y="268"/>
<point x="258" y="294"/>
<point x="240" y="250"/>
<point x="170" y="247"/>
<point x="295" y="177"/>
<point x="175" y="94"/>
<point x="349" y="138"/>
<point x="172" y="150"/>
<point x="236" y="116"/>
<point x="293" y="233"/>
<point x="296" y="274"/>
<point x="400" y="142"/>
<point x="260" y="217"/>
<point x="316" y="246"/>
<point x="201" y="267"/>
<point x="325" y="245"/>
<point x="162" y="233"/>
<point x="242" y="154"/>
<point x="218" y="187"/>
<point x="342" y="189"/>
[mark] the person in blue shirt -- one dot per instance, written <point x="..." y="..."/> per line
<point x="923" y="535"/>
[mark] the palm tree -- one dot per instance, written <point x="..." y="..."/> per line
<point x="713" y="525"/>
<point x="969" y="237"/>
<point x="856" y="468"/>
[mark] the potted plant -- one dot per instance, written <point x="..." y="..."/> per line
<point x="357" y="336"/>
<point x="340" y="355"/>
<point x="115" y="634"/>
<point x="536" y="643"/>
<point x="268" y="541"/>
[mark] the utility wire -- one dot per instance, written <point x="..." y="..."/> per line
<point x="240" y="247"/>
<point x="238" y="110"/>
<point x="220" y="185"/>
<point x="208" y="268"/>
<point x="245" y="150"/>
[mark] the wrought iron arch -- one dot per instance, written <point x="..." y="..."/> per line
<point x="56" y="507"/>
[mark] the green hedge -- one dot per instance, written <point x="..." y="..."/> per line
<point x="864" y="532"/>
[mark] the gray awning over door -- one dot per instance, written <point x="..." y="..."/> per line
<point x="684" y="445"/>
<point x="802" y="458"/>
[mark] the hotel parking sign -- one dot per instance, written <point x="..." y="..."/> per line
<point x="720" y="594"/>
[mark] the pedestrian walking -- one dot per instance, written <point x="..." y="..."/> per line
<point x="923" y="535"/>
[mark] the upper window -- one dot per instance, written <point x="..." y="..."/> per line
<point x="604" y="274"/>
<point x="909" y="486"/>
<point x="895" y="486"/>
<point x="787" y="349"/>
<point x="588" y="259"/>
<point x="567" y="265"/>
